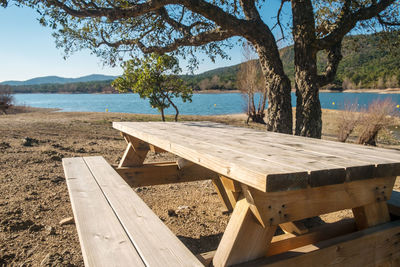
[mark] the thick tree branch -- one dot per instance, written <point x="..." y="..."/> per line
<point x="196" y="40"/>
<point x="349" y="20"/>
<point x="334" y="57"/>
<point x="114" y="12"/>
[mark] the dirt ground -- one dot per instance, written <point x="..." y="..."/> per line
<point x="34" y="197"/>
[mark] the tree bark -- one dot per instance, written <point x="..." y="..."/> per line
<point x="308" y="107"/>
<point x="162" y="114"/>
<point x="279" y="112"/>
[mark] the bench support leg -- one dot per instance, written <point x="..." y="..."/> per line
<point x="135" y="152"/>
<point x="228" y="191"/>
<point x="244" y="238"/>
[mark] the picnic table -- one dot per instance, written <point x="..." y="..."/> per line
<point x="268" y="180"/>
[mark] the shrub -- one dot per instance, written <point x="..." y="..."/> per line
<point x="6" y="101"/>
<point x="350" y="118"/>
<point x="378" y="116"/>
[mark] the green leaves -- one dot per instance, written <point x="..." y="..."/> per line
<point x="155" y="77"/>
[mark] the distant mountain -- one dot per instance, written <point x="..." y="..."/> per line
<point x="60" y="80"/>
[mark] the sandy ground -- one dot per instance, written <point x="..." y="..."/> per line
<point x="34" y="197"/>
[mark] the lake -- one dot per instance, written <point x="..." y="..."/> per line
<point x="203" y="104"/>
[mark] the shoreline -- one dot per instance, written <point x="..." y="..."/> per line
<point x="377" y="91"/>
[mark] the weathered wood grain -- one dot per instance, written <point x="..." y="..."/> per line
<point x="103" y="240"/>
<point x="370" y="247"/>
<point x="264" y="160"/>
<point x="155" y="243"/>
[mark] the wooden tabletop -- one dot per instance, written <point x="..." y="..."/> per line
<point x="265" y="160"/>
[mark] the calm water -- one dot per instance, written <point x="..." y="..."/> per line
<point x="203" y="104"/>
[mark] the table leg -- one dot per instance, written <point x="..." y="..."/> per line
<point x="135" y="152"/>
<point x="371" y="215"/>
<point x="244" y="238"/>
<point x="228" y="190"/>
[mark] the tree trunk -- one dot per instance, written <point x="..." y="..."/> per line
<point x="279" y="113"/>
<point x="175" y="107"/>
<point x="308" y="107"/>
<point x="162" y="114"/>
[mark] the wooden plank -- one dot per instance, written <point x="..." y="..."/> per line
<point x="163" y="173"/>
<point x="288" y="242"/>
<point x="222" y="194"/>
<point x="104" y="242"/>
<point x="135" y="152"/>
<point x="269" y="153"/>
<point x="156" y="149"/>
<point x="296" y="227"/>
<point x="315" y="157"/>
<point x="371" y="215"/>
<point x="244" y="239"/>
<point x="394" y="203"/>
<point x="369" y="247"/>
<point x="279" y="207"/>
<point x="249" y="170"/>
<point x="156" y="244"/>
<point x="285" y="242"/>
<point x="320" y="172"/>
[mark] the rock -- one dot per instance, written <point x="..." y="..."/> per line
<point x="182" y="208"/>
<point x="35" y="228"/>
<point x="52" y="260"/>
<point x="27" y="141"/>
<point x="57" y="179"/>
<point x="69" y="220"/>
<point x="56" y="158"/>
<point x="81" y="150"/>
<point x="50" y="230"/>
<point x="172" y="213"/>
<point x="4" y="145"/>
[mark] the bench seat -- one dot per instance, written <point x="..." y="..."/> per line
<point x="115" y="226"/>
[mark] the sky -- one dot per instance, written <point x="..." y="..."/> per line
<point x="28" y="50"/>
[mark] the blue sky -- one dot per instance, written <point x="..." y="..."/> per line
<point x="27" y="50"/>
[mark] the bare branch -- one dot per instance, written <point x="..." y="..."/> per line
<point x="387" y="23"/>
<point x="278" y="20"/>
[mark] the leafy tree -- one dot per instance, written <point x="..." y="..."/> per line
<point x="154" y="77"/>
<point x="186" y="26"/>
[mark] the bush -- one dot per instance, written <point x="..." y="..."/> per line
<point x="6" y="101"/>
<point x="350" y="118"/>
<point x="378" y="116"/>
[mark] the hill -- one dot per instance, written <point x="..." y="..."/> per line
<point x="369" y="61"/>
<point x="60" y="80"/>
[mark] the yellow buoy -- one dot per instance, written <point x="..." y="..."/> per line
<point x="215" y="105"/>
<point x="106" y="109"/>
<point x="398" y="106"/>
<point x="333" y="103"/>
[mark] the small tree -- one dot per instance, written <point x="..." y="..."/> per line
<point x="6" y="100"/>
<point x="250" y="82"/>
<point x="154" y="77"/>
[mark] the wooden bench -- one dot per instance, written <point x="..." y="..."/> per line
<point x="115" y="227"/>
